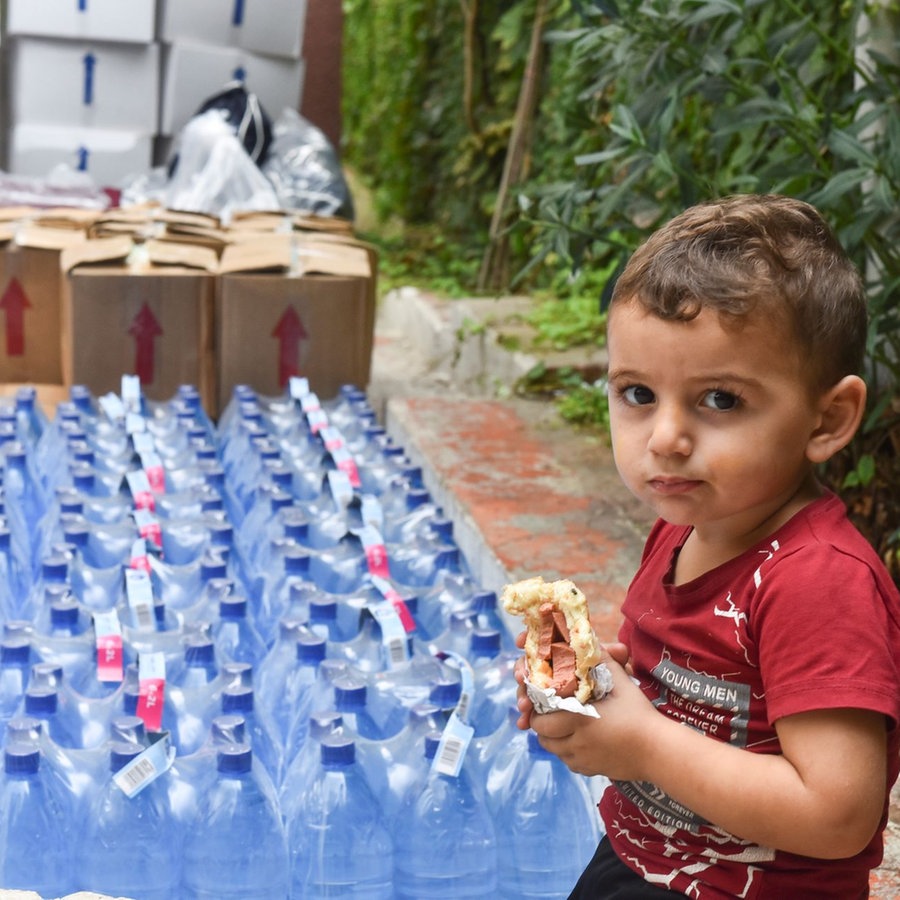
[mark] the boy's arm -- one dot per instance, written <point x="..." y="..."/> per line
<point x="822" y="797"/>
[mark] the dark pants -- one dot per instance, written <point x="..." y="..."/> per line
<point x="606" y="877"/>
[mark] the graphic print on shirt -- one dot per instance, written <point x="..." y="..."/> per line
<point x="717" y="707"/>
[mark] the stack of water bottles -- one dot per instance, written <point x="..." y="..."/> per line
<point x="246" y="659"/>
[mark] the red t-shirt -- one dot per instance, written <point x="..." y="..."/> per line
<point x="806" y="620"/>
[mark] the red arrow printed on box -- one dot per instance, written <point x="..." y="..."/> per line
<point x="14" y="302"/>
<point x="145" y="329"/>
<point x="290" y="333"/>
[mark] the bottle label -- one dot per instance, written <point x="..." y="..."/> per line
<point x="112" y="406"/>
<point x="372" y="511"/>
<point x="376" y="551"/>
<point x="331" y="438"/>
<point x="467" y="681"/>
<point x="451" y="751"/>
<point x="298" y="387"/>
<point x="393" y="634"/>
<point x="148" y="526"/>
<point x="146" y="767"/>
<point x="152" y="675"/>
<point x="139" y="558"/>
<point x="390" y="593"/>
<point x="140" y="599"/>
<point x="136" y="428"/>
<point x="108" y="631"/>
<point x="153" y="469"/>
<point x="131" y="393"/>
<point x="340" y="487"/>
<point x="345" y="462"/>
<point x="139" y="485"/>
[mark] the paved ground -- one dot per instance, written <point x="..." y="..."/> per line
<point x="528" y="493"/>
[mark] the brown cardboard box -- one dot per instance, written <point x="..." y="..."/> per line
<point x="30" y="315"/>
<point x="294" y="305"/>
<point x="124" y="314"/>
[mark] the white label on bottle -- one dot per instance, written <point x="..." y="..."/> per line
<point x="467" y="682"/>
<point x="131" y="393"/>
<point x="393" y="634"/>
<point x="146" y="767"/>
<point x="340" y="487"/>
<point x="451" y="751"/>
<point x="332" y="438"/>
<point x="136" y="426"/>
<point x="148" y="526"/>
<point x="376" y="551"/>
<point x="139" y="486"/>
<point x="112" y="405"/>
<point x="298" y="387"/>
<point x="344" y="461"/>
<point x="153" y="469"/>
<point x="372" y="511"/>
<point x="139" y="558"/>
<point x="140" y="599"/>
<point x="390" y="593"/>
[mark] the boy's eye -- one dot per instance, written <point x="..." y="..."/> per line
<point x="638" y="395"/>
<point x="720" y="400"/>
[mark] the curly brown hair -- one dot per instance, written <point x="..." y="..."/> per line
<point x="757" y="254"/>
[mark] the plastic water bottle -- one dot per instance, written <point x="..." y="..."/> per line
<point x="445" y="840"/>
<point x="302" y="767"/>
<point x="131" y="845"/>
<point x="239" y="700"/>
<point x="272" y="673"/>
<point x="235" y="636"/>
<point x="339" y="841"/>
<point x="36" y="827"/>
<point x="362" y="717"/>
<point x="291" y="709"/>
<point x="15" y="671"/>
<point x="236" y="848"/>
<point x="547" y="828"/>
<point x="495" y="684"/>
<point x="13" y="572"/>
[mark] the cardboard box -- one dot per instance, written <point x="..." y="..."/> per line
<point x="92" y="84"/>
<point x="266" y="26"/>
<point x="293" y="306"/>
<point x="192" y="73"/>
<point x="129" y="315"/>
<point x="110" y="156"/>
<point x="102" y="20"/>
<point x="30" y="312"/>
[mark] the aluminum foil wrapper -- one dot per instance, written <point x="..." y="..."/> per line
<point x="545" y="699"/>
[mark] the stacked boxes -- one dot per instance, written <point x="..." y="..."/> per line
<point x="104" y="86"/>
<point x="180" y="299"/>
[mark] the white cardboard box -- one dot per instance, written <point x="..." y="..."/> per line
<point x="103" y="20"/>
<point x="109" y="156"/>
<point x="274" y="27"/>
<point x="192" y="73"/>
<point x="85" y="83"/>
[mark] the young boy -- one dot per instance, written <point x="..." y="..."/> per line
<point x="753" y="751"/>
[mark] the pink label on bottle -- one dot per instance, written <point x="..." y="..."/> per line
<point x="144" y="500"/>
<point x="156" y="475"/>
<point x="109" y="657"/>
<point x="150" y="702"/>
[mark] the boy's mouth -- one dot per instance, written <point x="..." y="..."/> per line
<point x="663" y="484"/>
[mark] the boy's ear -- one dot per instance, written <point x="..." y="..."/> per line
<point x="842" y="407"/>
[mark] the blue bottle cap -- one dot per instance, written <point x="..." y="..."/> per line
<point x="82" y="478"/>
<point x="296" y="560"/>
<point x="324" y="722"/>
<point x="21" y="758"/>
<point x="322" y="609"/>
<point x="128" y="729"/>
<point x="445" y="693"/>
<point x="221" y="535"/>
<point x="5" y="536"/>
<point x="483" y="601"/>
<point x="228" y="729"/>
<point x="349" y="693"/>
<point x="76" y="532"/>
<point x="234" y="758"/>
<point x="238" y="673"/>
<point x="234" y="606"/>
<point x="55" y="567"/>
<point x="237" y="698"/>
<point x="15" y="651"/>
<point x="64" y="613"/>
<point x="46" y="674"/>
<point x="212" y="566"/>
<point x="484" y="642"/>
<point x="199" y="649"/>
<point x="24" y="730"/>
<point x="415" y="497"/>
<point x="310" y="648"/>
<point x="337" y="750"/>
<point x="432" y="742"/>
<point x="442" y="528"/>
<point x="41" y="702"/>
<point x="122" y="752"/>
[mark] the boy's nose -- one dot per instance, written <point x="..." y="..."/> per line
<point x="670" y="435"/>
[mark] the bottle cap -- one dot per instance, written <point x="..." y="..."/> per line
<point x="337" y="750"/>
<point x="228" y="729"/>
<point x="322" y="609"/>
<point x="128" y="729"/>
<point x="21" y="758"/>
<point x="483" y="601"/>
<point x="234" y="758"/>
<point x="349" y="693"/>
<point x="484" y="642"/>
<point x="121" y="753"/>
<point x="234" y="606"/>
<point x="310" y="648"/>
<point x="41" y="702"/>
<point x="324" y="722"/>
<point x="445" y="693"/>
<point x="199" y="649"/>
<point x="432" y="742"/>
<point x="237" y="698"/>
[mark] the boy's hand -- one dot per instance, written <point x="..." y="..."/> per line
<point x="610" y="745"/>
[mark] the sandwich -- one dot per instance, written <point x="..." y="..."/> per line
<point x="561" y="650"/>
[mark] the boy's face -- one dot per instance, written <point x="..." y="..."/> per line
<point x="709" y="424"/>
